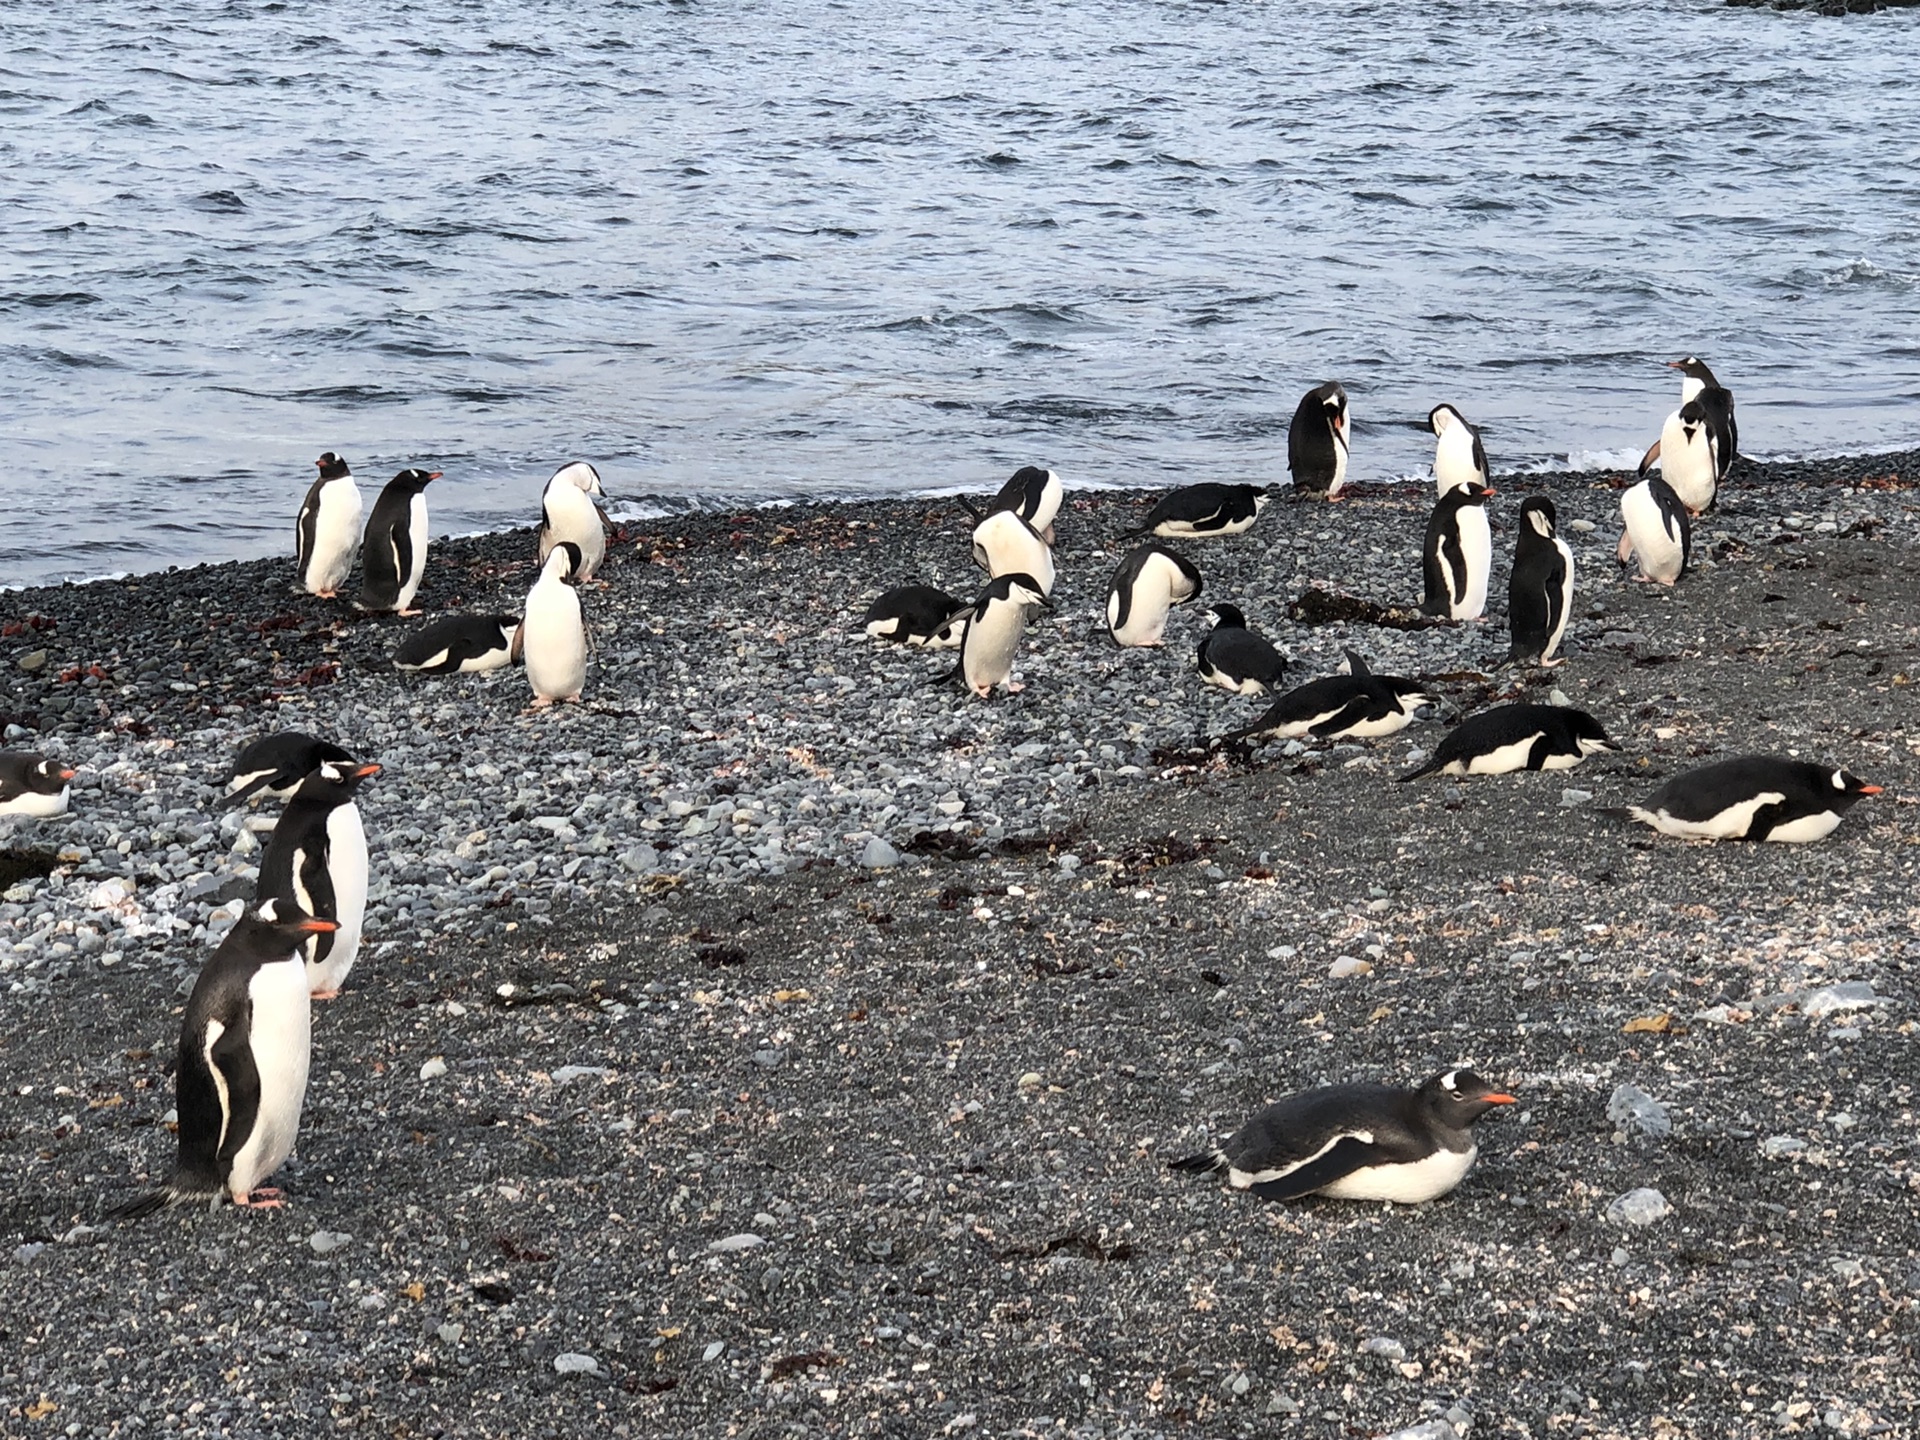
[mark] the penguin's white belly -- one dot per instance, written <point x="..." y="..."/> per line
<point x="1391" y="724"/>
<point x="336" y="535"/>
<point x="280" y="1037"/>
<point x="1502" y="761"/>
<point x="1453" y="466"/>
<point x="1548" y="650"/>
<point x="1689" y="468"/>
<point x="1408" y="1184"/>
<point x="1659" y="554"/>
<point x="32" y="802"/>
<point x="572" y="515"/>
<point x="417" y="533"/>
<point x="347" y="867"/>
<point x="555" y="642"/>
<point x="1230" y="685"/>
<point x="1730" y="824"/>
<point x="1476" y="548"/>
<point x="986" y="655"/>
<point x="1012" y="550"/>
<point x="1807" y="828"/>
<point x="1339" y="461"/>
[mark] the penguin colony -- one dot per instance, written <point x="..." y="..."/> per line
<point x="242" y="1064"/>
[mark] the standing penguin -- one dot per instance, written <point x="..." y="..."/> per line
<point x="570" y="511"/>
<point x="553" y="636"/>
<point x="1658" y="531"/>
<point x="1004" y="544"/>
<point x="1697" y="383"/>
<point x="276" y="764"/>
<point x="1540" y="590"/>
<point x="31" y="784"/>
<point x="1459" y="459"/>
<point x="1685" y="451"/>
<point x="1234" y="658"/>
<point x="393" y="558"/>
<point x="317" y="861"/>
<point x="1149" y="582"/>
<point x="1317" y="441"/>
<point x="1458" y="555"/>
<point x="1034" y="494"/>
<point x="328" y="528"/>
<point x="241" y="1076"/>
<point x="994" y="626"/>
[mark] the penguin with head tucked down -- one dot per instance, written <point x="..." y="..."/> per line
<point x="1318" y="439"/>
<point x="327" y="531"/>
<point x="1034" y="494"/>
<point x="1457" y="559"/>
<point x="458" y="644"/>
<point x="317" y="862"/>
<point x="916" y="615"/>
<point x="1517" y="737"/>
<point x="1197" y="512"/>
<point x="570" y="510"/>
<point x="553" y="636"/>
<point x="1357" y="705"/>
<point x="393" y="558"/>
<point x="1657" y="533"/>
<point x="1235" y="658"/>
<point x="1459" y="458"/>
<point x="1540" y="589"/>
<point x="1148" y="583"/>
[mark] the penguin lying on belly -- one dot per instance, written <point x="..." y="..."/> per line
<point x="1357" y="705"/>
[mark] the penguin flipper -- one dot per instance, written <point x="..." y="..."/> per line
<point x="1646" y="460"/>
<point x="1200" y="1164"/>
<point x="1435" y="762"/>
<point x="1361" y="707"/>
<point x="1346" y="1155"/>
<point x="232" y="1056"/>
<point x="253" y="787"/>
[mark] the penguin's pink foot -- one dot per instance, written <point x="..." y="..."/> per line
<point x="541" y="702"/>
<point x="333" y="994"/>
<point x="573" y="699"/>
<point x="266" y="1198"/>
<point x="1014" y="687"/>
<point x="407" y="612"/>
<point x="327" y="594"/>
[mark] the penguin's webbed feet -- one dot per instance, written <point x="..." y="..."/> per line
<point x="265" y="1198"/>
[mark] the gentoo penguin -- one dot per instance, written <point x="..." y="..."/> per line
<point x="328" y="530"/>
<point x="1685" y="451"/>
<point x="241" y="1076"/>
<point x="1358" y="1142"/>
<point x="1004" y="544"/>
<point x="1755" y="797"/>
<point x="1658" y="531"/>
<point x="317" y="860"/>
<point x="1148" y="583"/>
<point x="916" y="615"/>
<point x="569" y="511"/>
<point x="1697" y="383"/>
<point x="1517" y="737"/>
<point x="1034" y="495"/>
<point x="553" y="636"/>
<point x="1198" y="511"/>
<point x="1459" y="459"/>
<point x="393" y="558"/>
<point x="1457" y="558"/>
<point x="1234" y="658"/>
<point x="458" y="643"/>
<point x="276" y="764"/>
<point x="1540" y="589"/>
<point x="1317" y="441"/>
<point x="32" y="784"/>
<point x="1356" y="705"/>
<point x="994" y="624"/>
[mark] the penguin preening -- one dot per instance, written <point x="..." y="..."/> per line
<point x="1318" y="441"/>
<point x="1358" y="1142"/>
<point x="994" y="625"/>
<point x="275" y="765"/>
<point x="570" y="510"/>
<point x="1658" y="533"/>
<point x="1459" y="457"/>
<point x="1540" y="587"/>
<point x="316" y="861"/>
<point x="1754" y="797"/>
<point x="1356" y="705"/>
<point x="1034" y="494"/>
<point x="1517" y="737"/>
<point x="327" y="531"/>
<point x="1004" y="544"/>
<point x="393" y="558"/>
<point x="1457" y="557"/>
<point x="458" y="644"/>
<point x="33" y="785"/>
<point x="916" y="615"/>
<point x="1199" y="511"/>
<point x="1147" y="584"/>
<point x="240" y="1079"/>
<point x="1236" y="659"/>
<point x="1697" y="383"/>
<point x="553" y="636"/>
<point x="1685" y="452"/>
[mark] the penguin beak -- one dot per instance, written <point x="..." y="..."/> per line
<point x="67" y="774"/>
<point x="1497" y="1098"/>
<point x="434" y="474"/>
<point x="313" y="926"/>
<point x="1676" y="364"/>
<point x="1864" y="789"/>
<point x="365" y="770"/>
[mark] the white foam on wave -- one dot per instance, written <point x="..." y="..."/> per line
<point x="1581" y="462"/>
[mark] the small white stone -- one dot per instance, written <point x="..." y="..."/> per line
<point x="1347" y="965"/>
<point x="1639" y="1208"/>
<point x="576" y="1072"/>
<point x="433" y="1069"/>
<point x="715" y="1350"/>
<point x="571" y="1362"/>
<point x="745" y="1240"/>
<point x="325" y="1242"/>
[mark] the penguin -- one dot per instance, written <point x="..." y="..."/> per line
<point x="458" y="644"/>
<point x="1658" y="532"/>
<point x="1685" y="451"/>
<point x="1540" y="588"/>
<point x="1755" y="797"/>
<point x="1356" y="705"/>
<point x="327" y="531"/>
<point x="1004" y="544"/>
<point x="1234" y="658"/>
<point x="1034" y="494"/>
<point x="1199" y="511"/>
<point x="393" y="558"/>
<point x="994" y="624"/>
<point x="241" y="1076"/>
<point x="1517" y="737"/>
<point x="31" y="784"/>
<point x="1148" y="583"/>
<point x="1317" y="441"/>
<point x="1358" y="1142"/>
<point x="317" y="861"/>
<point x="570" y="511"/>
<point x="553" y="636"/>
<point x="276" y="764"/>
<point x="1458" y="555"/>
<point x="1697" y="383"/>
<point x="1459" y="459"/>
<point x="916" y="615"/>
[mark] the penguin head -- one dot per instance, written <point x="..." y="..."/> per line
<point x="1588" y="734"/>
<point x="1021" y="588"/>
<point x="1333" y="400"/>
<point x="1412" y="695"/>
<point x="336" y="780"/>
<point x="1538" y="512"/>
<point x="1443" y="418"/>
<point x="1852" y="785"/>
<point x="1694" y="368"/>
<point x="563" y="562"/>
<point x="1460" y="1097"/>
<point x="332" y="467"/>
<point x="579" y="474"/>
<point x="288" y="922"/>
<point x="49" y="777"/>
<point x="1227" y="617"/>
<point x="1473" y="494"/>
<point x="415" y="479"/>
<point x="1030" y="477"/>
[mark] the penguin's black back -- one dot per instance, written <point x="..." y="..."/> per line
<point x="1312" y="451"/>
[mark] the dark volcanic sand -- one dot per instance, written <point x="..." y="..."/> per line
<point x="942" y="1109"/>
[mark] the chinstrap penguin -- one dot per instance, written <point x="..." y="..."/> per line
<point x="916" y="615"/>
<point x="1685" y="452"/>
<point x="274" y="765"/>
<point x="1540" y="587"/>
<point x="1754" y="797"/>
<point x="1658" y="533"/>
<point x="1517" y="737"/>
<point x="553" y="636"/>
<point x="33" y="785"/>
<point x="570" y="510"/>
<point x="1147" y="584"/>
<point x="458" y="644"/>
<point x="1199" y="511"/>
<point x="1356" y="705"/>
<point x="317" y="861"/>
<point x="327" y="531"/>
<point x="1459" y="457"/>
<point x="1318" y="441"/>
<point x="1457" y="558"/>
<point x="393" y="558"/>
<point x="1697" y="383"/>
<point x="1235" y="658"/>
<point x="1004" y="544"/>
<point x="994" y="625"/>
<point x="1034" y="494"/>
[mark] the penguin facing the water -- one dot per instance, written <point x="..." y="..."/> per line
<point x="1459" y="458"/>
<point x="1540" y="589"/>
<point x="916" y="615"/>
<point x="1004" y="544"/>
<point x="994" y="625"/>
<point x="393" y="558"/>
<point x="458" y="644"/>
<point x="1685" y="452"/>
<point x="1318" y="441"/>
<point x="1754" y="797"/>
<point x="1147" y="584"/>
<point x="1457" y="558"/>
<point x="274" y="765"/>
<point x="33" y="785"/>
<point x="1236" y="659"/>
<point x="553" y="636"/>
<point x="317" y="861"/>
<point x="1357" y="705"/>
<point x="1658" y="533"/>
<point x="1517" y="737"/>
<point x="570" y="510"/>
<point x="1198" y="511"/>
<point x="1697" y="383"/>
<point x="241" y="1076"/>
<point x="327" y="531"/>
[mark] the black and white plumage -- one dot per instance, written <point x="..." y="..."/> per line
<point x="240" y="1080"/>
<point x="327" y="530"/>
<point x="1459" y="457"/>
<point x="1754" y="797"/>
<point x="1540" y="587"/>
<point x="1356" y="705"/>
<point x="1004" y="544"/>
<point x="553" y="635"/>
<point x="393" y="557"/>
<point x="916" y="615"/>
<point x="1517" y="737"/>
<point x="1235" y="658"/>
<point x="1034" y="494"/>
<point x="458" y="644"/>
<point x="1147" y="584"/>
<point x="570" y="510"/>
<point x="274" y="765"/>
<point x="1658" y="533"/>
<point x="1457" y="556"/>
<point x="994" y="624"/>
<point x="1318" y="441"/>
<point x="1358" y="1142"/>
<point x="1697" y="383"/>
<point x="1199" y="511"/>
<point x="317" y="862"/>
<point x="1686" y="455"/>
<point x="33" y="785"/>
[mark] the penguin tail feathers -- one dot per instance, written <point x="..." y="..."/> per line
<point x="1200" y="1164"/>
<point x="1625" y="812"/>
<point x="947" y="677"/>
<point x="1432" y="765"/>
<point x="142" y="1206"/>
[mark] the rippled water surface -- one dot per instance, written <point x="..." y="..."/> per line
<point x="760" y="250"/>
